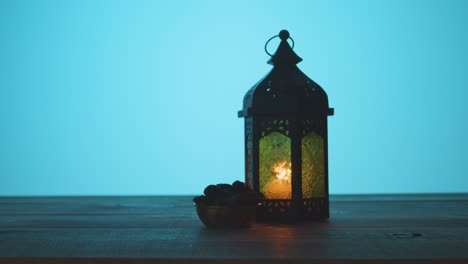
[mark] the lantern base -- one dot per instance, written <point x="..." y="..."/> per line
<point x="312" y="209"/>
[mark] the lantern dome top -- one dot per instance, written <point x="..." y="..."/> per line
<point x="284" y="55"/>
<point x="285" y="89"/>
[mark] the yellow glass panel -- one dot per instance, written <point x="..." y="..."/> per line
<point x="313" y="170"/>
<point x="275" y="166"/>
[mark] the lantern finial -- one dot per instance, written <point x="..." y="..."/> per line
<point x="284" y="34"/>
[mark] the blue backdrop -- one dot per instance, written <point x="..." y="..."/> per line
<point x="141" y="97"/>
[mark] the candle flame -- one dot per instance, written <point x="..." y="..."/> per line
<point x="283" y="170"/>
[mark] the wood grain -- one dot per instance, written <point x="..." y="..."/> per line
<point x="165" y="229"/>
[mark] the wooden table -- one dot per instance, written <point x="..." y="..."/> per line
<point x="165" y="229"/>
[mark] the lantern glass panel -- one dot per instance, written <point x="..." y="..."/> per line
<point x="313" y="170"/>
<point x="275" y="166"/>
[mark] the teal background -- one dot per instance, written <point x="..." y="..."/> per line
<point x="141" y="97"/>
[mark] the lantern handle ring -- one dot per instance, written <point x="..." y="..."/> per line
<point x="283" y="35"/>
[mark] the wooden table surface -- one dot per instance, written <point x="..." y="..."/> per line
<point x="165" y="229"/>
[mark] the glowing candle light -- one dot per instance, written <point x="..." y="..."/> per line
<point x="280" y="186"/>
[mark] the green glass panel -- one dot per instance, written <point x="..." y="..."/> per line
<point x="313" y="170"/>
<point x="275" y="166"/>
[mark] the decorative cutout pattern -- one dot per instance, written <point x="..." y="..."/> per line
<point x="314" y="208"/>
<point x="275" y="125"/>
<point x="278" y="210"/>
<point x="317" y="126"/>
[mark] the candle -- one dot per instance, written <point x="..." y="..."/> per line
<point x="280" y="186"/>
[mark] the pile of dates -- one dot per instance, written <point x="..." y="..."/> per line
<point x="224" y="194"/>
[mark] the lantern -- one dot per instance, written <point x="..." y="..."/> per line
<point x="286" y="150"/>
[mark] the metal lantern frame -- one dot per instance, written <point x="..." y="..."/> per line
<point x="287" y="102"/>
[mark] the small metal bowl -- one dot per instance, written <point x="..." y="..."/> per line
<point x="226" y="216"/>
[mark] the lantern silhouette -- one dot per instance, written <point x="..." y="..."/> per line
<point x="286" y="143"/>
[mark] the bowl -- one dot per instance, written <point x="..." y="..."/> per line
<point x="226" y="216"/>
